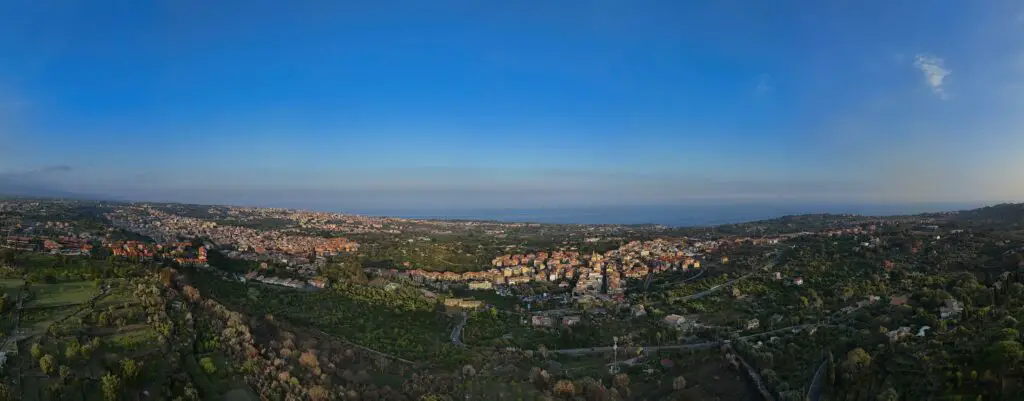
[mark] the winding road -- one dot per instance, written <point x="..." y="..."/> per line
<point x="708" y="344"/>
<point x="457" y="330"/>
<point x="626" y="350"/>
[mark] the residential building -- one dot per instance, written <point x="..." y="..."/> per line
<point x="542" y="321"/>
<point x="951" y="309"/>
<point x="471" y="304"/>
<point x="674" y="320"/>
<point x="480" y="285"/>
<point x="896" y="335"/>
<point x="317" y="283"/>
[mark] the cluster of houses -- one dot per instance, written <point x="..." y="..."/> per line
<point x="549" y="321"/>
<point x="285" y="282"/>
<point x="166" y="227"/>
<point x="595" y="274"/>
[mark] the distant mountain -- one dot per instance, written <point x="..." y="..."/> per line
<point x="1004" y="214"/>
<point x="34" y="191"/>
<point x="14" y="186"/>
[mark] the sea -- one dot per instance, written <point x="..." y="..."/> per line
<point x="668" y="215"/>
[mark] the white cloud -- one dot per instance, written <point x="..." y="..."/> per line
<point x="934" y="72"/>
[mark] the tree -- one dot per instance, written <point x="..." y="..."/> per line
<point x="72" y="350"/>
<point x="540" y="378"/>
<point x="318" y="393"/>
<point x="130" y="369"/>
<point x="308" y="359"/>
<point x="1006" y="354"/>
<point x="5" y="392"/>
<point x="111" y="385"/>
<point x="565" y="389"/>
<point x="7" y="256"/>
<point x="208" y="366"/>
<point x="48" y="363"/>
<point x="679" y="383"/>
<point x="857" y="361"/>
<point x="37" y="351"/>
<point x="620" y="381"/>
<point x="103" y="319"/>
<point x="65" y="372"/>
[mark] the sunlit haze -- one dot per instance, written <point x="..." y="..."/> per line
<point x="521" y="104"/>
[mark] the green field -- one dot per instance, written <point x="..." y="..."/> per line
<point x="11" y="287"/>
<point x="69" y="293"/>
<point x="11" y="283"/>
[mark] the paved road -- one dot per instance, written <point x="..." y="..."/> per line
<point x="457" y="330"/>
<point x="629" y="350"/>
<point x="708" y="344"/>
<point x="814" y="391"/>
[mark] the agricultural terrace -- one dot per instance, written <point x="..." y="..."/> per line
<point x="399" y="323"/>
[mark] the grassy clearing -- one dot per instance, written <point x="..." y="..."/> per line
<point x="141" y="339"/>
<point x="11" y="285"/>
<point x="36" y="321"/>
<point x="69" y="293"/>
<point x="241" y="394"/>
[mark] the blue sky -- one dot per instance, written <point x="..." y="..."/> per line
<point x="515" y="104"/>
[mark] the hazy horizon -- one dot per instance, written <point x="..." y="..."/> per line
<point x="525" y="105"/>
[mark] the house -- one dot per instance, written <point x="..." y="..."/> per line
<point x="898" y="301"/>
<point x="570" y="320"/>
<point x="674" y="320"/>
<point x="638" y="310"/>
<point x="471" y="303"/>
<point x="896" y="335"/>
<point x="777" y="276"/>
<point x="541" y="321"/>
<point x="317" y="283"/>
<point x="452" y="301"/>
<point x="480" y="285"/>
<point x="951" y="309"/>
<point x="753" y="324"/>
<point x="798" y="281"/>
